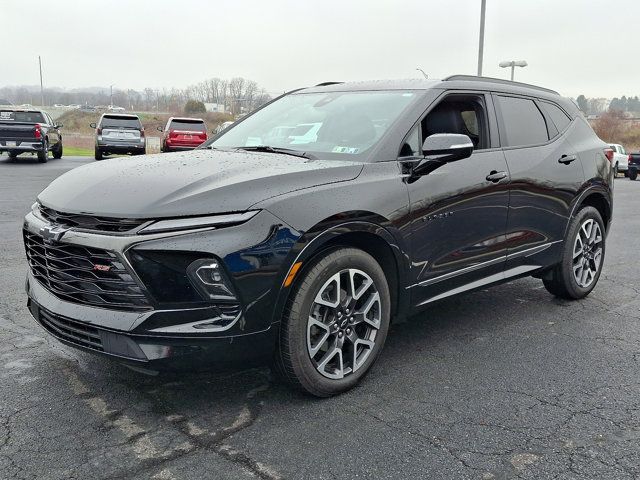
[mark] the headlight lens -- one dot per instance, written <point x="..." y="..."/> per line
<point x="199" y="222"/>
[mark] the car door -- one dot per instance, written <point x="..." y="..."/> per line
<point x="53" y="134"/>
<point x="458" y="211"/>
<point x="546" y="175"/>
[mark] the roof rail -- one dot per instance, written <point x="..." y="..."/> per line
<point x="474" y="78"/>
<point x="324" y="84"/>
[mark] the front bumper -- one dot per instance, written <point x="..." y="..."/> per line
<point x="173" y="337"/>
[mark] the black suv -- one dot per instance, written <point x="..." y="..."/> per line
<point x="262" y="246"/>
<point x="29" y="131"/>
<point x="119" y="133"/>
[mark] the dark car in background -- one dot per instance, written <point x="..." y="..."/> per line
<point x="182" y="133"/>
<point x="259" y="247"/>
<point x="634" y="166"/>
<point x="118" y="133"/>
<point x="29" y="131"/>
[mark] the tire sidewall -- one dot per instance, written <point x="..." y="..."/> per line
<point x="567" y="262"/>
<point x="304" y="297"/>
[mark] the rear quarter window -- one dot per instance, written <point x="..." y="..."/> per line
<point x="28" y="117"/>
<point x="523" y="122"/>
<point x="560" y="119"/>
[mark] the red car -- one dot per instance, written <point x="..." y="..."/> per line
<point x="183" y="134"/>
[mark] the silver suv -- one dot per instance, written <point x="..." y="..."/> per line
<point x="119" y="133"/>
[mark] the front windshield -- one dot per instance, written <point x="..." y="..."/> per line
<point x="326" y="125"/>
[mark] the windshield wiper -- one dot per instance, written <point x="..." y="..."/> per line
<point x="270" y="149"/>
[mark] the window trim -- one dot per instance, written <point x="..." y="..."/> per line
<point x="492" y="129"/>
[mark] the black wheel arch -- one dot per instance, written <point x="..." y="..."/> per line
<point x="367" y="234"/>
<point x="599" y="196"/>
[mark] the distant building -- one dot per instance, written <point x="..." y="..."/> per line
<point x="214" y="107"/>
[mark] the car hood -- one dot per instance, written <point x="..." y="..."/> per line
<point x="197" y="182"/>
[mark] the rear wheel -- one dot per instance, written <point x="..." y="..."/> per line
<point x="57" y="151"/>
<point x="335" y="324"/>
<point x="583" y="256"/>
<point x="43" y="155"/>
<point x="633" y="174"/>
<point x="98" y="154"/>
<point x="615" y="171"/>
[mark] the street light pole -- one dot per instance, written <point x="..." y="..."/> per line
<point x="422" y="71"/>
<point x="513" y="64"/>
<point x="483" y="8"/>
<point x="41" y="84"/>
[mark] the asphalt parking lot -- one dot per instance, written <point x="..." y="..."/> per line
<point x="501" y="383"/>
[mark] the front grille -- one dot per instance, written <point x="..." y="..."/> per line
<point x="84" y="275"/>
<point x="89" y="222"/>
<point x="66" y="329"/>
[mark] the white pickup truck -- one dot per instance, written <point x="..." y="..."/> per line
<point x="620" y="159"/>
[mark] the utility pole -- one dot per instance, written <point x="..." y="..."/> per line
<point x="111" y="96"/>
<point x="41" y="84"/>
<point x="481" y="42"/>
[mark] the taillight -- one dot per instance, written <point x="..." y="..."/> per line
<point x="172" y="133"/>
<point x="609" y="154"/>
<point x="99" y="130"/>
<point x="142" y="132"/>
<point x="37" y="131"/>
<point x="629" y="159"/>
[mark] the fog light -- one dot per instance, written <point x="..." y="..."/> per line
<point x="210" y="280"/>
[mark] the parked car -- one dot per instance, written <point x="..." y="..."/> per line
<point x="74" y="106"/>
<point x="114" y="108"/>
<point x="30" y="131"/>
<point x="118" y="133"/>
<point x="248" y="252"/>
<point x="222" y="126"/>
<point x="634" y="165"/>
<point x="88" y="108"/>
<point x="59" y="105"/>
<point x="182" y="133"/>
<point x="620" y="159"/>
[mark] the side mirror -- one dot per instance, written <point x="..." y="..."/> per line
<point x="442" y="148"/>
<point x="93" y="125"/>
<point x="160" y="129"/>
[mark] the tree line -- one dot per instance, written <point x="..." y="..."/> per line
<point x="600" y="105"/>
<point x="235" y="95"/>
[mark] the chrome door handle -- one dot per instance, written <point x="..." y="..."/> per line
<point x="567" y="159"/>
<point x="496" y="176"/>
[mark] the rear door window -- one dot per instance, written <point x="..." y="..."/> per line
<point x="115" y="121"/>
<point x="522" y="121"/>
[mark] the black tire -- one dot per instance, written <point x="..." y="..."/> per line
<point x="57" y="152"/>
<point x="633" y="174"/>
<point x="626" y="173"/>
<point x="293" y="359"/>
<point x="561" y="280"/>
<point x="43" y="155"/>
<point x="98" y="154"/>
<point x="13" y="155"/>
<point x="615" y="171"/>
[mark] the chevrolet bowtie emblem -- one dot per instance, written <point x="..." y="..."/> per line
<point x="52" y="233"/>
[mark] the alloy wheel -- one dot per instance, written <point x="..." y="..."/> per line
<point x="587" y="253"/>
<point x="343" y="323"/>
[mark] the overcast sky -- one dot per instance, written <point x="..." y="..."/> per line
<point x="573" y="46"/>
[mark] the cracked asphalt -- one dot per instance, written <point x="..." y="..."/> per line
<point x="502" y="383"/>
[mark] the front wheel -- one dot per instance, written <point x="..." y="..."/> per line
<point x="615" y="171"/>
<point x="336" y="323"/>
<point x="98" y="154"/>
<point x="582" y="258"/>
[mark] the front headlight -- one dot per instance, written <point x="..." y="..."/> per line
<point x="187" y="223"/>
